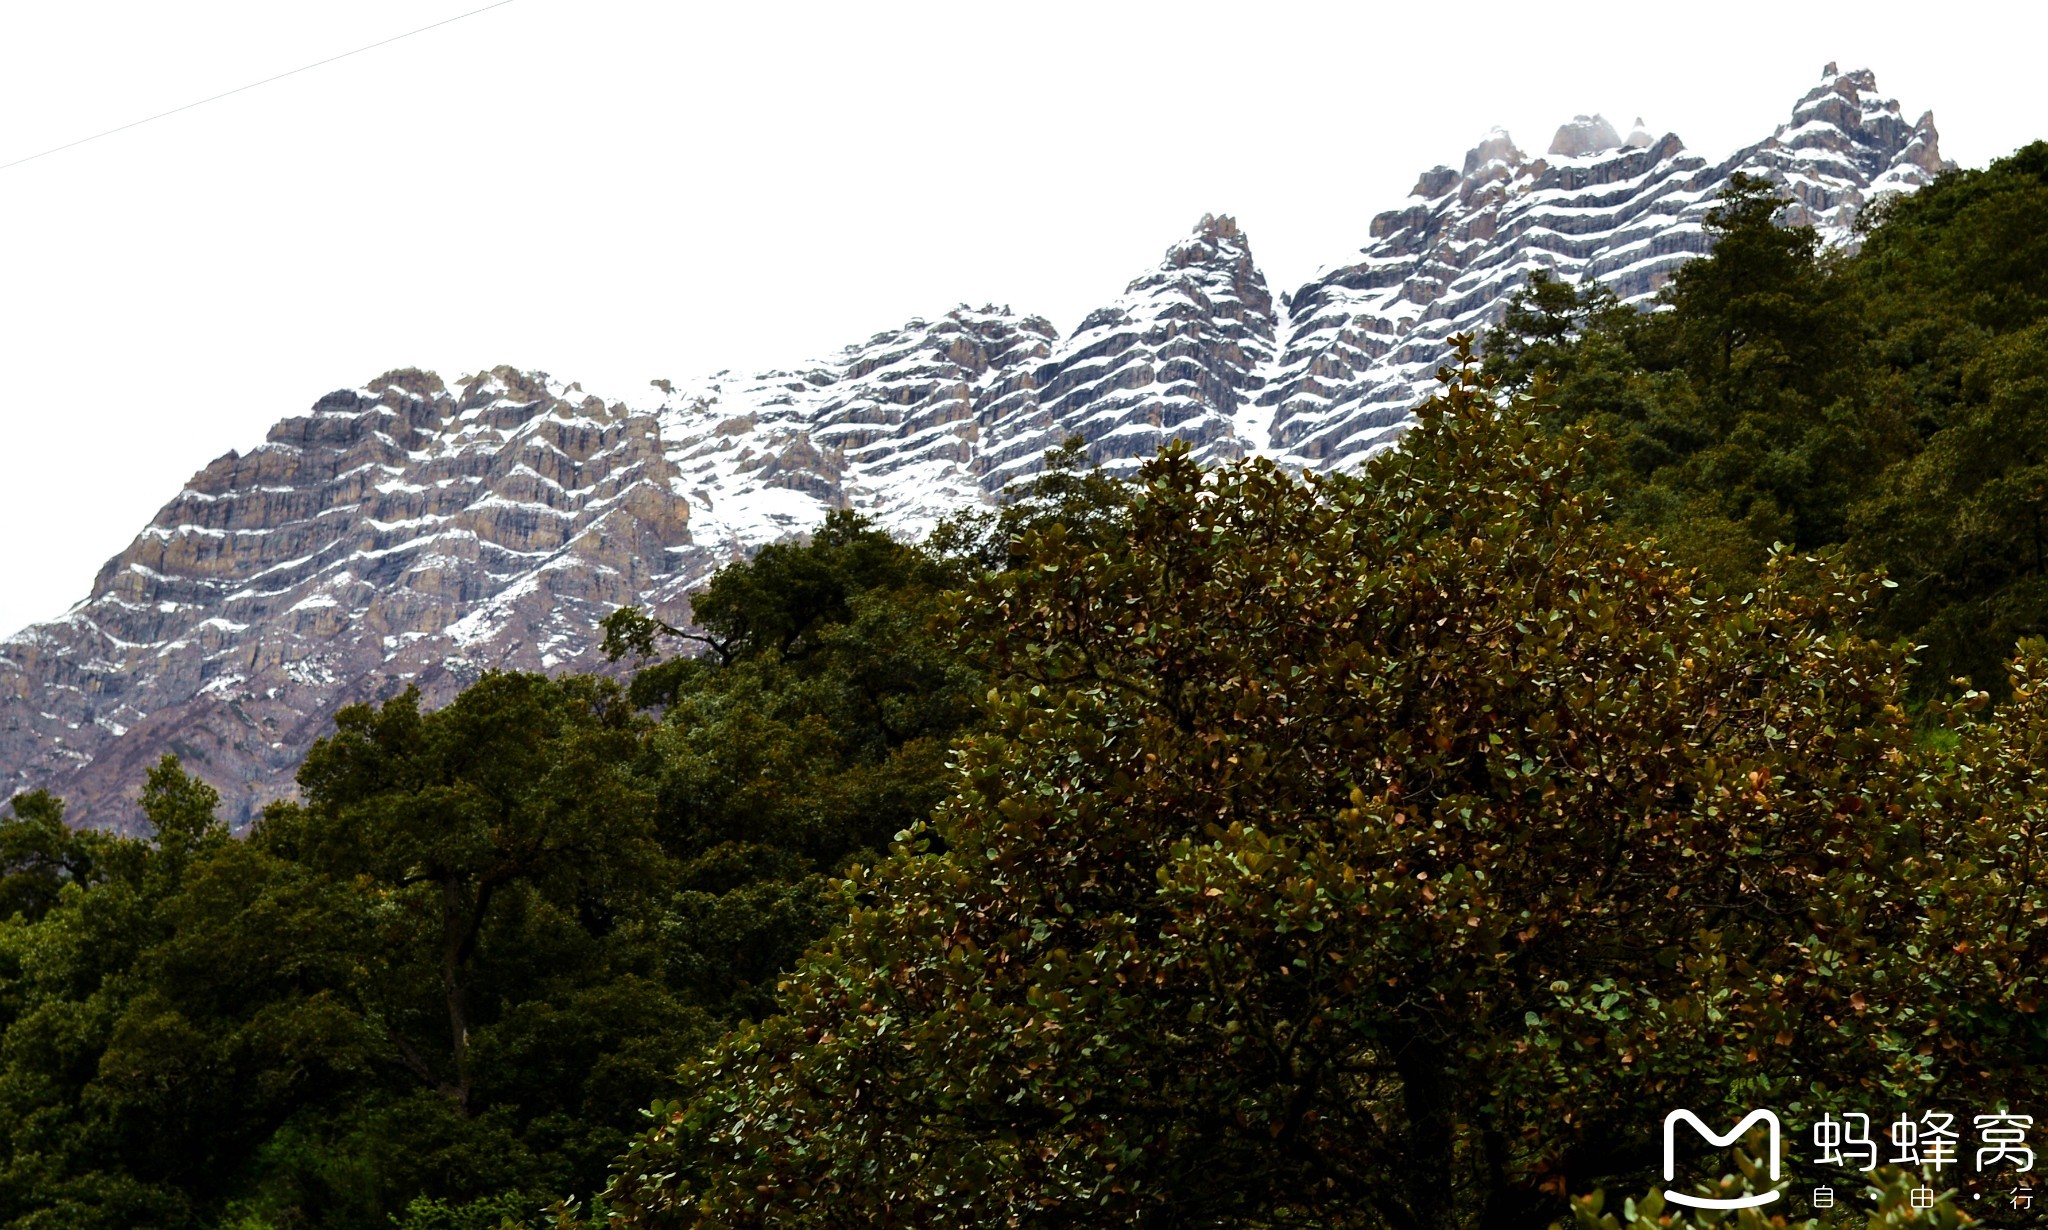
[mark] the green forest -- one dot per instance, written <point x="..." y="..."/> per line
<point x="1662" y="724"/>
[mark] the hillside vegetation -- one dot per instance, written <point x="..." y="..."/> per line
<point x="1660" y="726"/>
<point x="1890" y="408"/>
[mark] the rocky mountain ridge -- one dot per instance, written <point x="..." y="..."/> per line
<point x="413" y="532"/>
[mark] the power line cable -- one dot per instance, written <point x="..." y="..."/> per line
<point x="497" y="4"/>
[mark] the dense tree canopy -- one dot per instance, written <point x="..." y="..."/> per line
<point x="1369" y="852"/>
<point x="1223" y="849"/>
<point x="1886" y="407"/>
<point x="1731" y="418"/>
<point x="440" y="987"/>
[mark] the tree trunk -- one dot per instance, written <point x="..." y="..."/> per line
<point x="1426" y="1102"/>
<point x="455" y="944"/>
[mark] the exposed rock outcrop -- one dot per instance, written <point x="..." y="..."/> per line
<point x="1368" y="335"/>
<point x="400" y="533"/>
<point x="409" y="533"/>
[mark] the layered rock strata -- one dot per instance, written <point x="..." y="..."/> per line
<point x="411" y="533"/>
<point x="400" y="533"/>
<point x="1367" y="336"/>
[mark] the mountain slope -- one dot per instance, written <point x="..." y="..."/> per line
<point x="399" y="532"/>
<point x="1369" y="334"/>
<point x="410" y="533"/>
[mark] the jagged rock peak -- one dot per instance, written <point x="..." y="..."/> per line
<point x="1218" y="227"/>
<point x="396" y="533"/>
<point x="918" y="421"/>
<point x="1495" y="157"/>
<point x="1586" y="134"/>
<point x="908" y="426"/>
<point x="416" y="531"/>
<point x="1216" y="238"/>
<point x="1180" y="355"/>
<point x="1434" y="182"/>
<point x="1365" y="339"/>
<point x="1846" y="145"/>
<point x="409" y="380"/>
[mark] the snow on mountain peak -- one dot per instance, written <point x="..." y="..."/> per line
<point x="415" y="531"/>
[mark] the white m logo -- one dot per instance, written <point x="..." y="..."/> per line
<point x="1671" y="1122"/>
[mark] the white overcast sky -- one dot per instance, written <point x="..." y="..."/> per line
<point x="614" y="191"/>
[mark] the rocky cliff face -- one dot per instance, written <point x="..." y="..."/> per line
<point x="412" y="533"/>
<point x="1183" y="355"/>
<point x="1368" y="335"/>
<point x="399" y="533"/>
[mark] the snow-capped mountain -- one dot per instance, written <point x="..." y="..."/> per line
<point x="1365" y="338"/>
<point x="413" y="532"/>
<point x="402" y="531"/>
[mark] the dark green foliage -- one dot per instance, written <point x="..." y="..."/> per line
<point x="825" y="736"/>
<point x="1728" y="420"/>
<point x="1954" y="285"/>
<point x="791" y="593"/>
<point x="1371" y="852"/>
<point x="1225" y="850"/>
<point x="631" y="632"/>
<point x="496" y="877"/>
<point x="1885" y="406"/>
<point x="1546" y="329"/>
<point x="1960" y="527"/>
<point x="439" y="989"/>
<point x="487" y="1213"/>
<point x="1944" y="270"/>
<point x="39" y="856"/>
<point x="95" y="1083"/>
<point x="1067" y="491"/>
